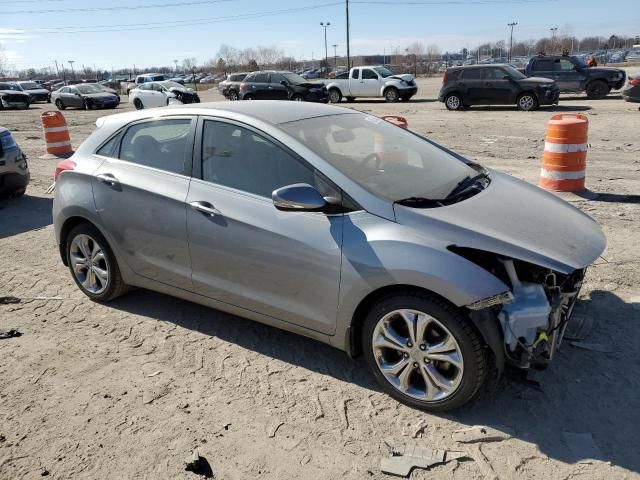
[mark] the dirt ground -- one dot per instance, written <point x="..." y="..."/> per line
<point x="129" y="389"/>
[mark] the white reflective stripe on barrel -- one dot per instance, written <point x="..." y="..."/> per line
<point x="58" y="144"/>
<point x="55" y="129"/>
<point x="565" y="147"/>
<point x="556" y="175"/>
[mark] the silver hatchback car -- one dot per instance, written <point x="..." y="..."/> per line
<point x="333" y="224"/>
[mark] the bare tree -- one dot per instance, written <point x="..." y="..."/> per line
<point x="3" y="61"/>
<point x="433" y="52"/>
<point x="417" y="49"/>
<point x="189" y="64"/>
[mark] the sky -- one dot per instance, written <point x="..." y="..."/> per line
<point x="121" y="33"/>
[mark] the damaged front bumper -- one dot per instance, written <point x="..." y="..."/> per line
<point x="532" y="318"/>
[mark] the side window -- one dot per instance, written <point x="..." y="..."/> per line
<point x="471" y="74"/>
<point x="110" y="149"/>
<point x="250" y="78"/>
<point x="493" y="73"/>
<point x="262" y="78"/>
<point x="355" y="73"/>
<point x="564" y="65"/>
<point x="543" y="65"/>
<point x="368" y="74"/>
<point x="74" y="91"/>
<point x="156" y="87"/>
<point x="144" y="86"/>
<point x="236" y="157"/>
<point x="64" y="90"/>
<point x="159" y="144"/>
<point x="276" y="78"/>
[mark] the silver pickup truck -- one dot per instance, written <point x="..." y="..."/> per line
<point x="371" y="82"/>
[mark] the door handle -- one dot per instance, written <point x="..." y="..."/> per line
<point x="205" y="207"/>
<point x="108" y="179"/>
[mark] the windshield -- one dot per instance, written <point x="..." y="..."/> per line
<point x="384" y="72"/>
<point x="30" y="86"/>
<point x="387" y="160"/>
<point x="10" y="86"/>
<point x="90" y="88"/>
<point x="294" y="79"/>
<point x="170" y="84"/>
<point x="514" y="73"/>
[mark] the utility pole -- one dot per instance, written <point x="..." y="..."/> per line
<point x="176" y="62"/>
<point x="513" y="24"/>
<point x="553" y="37"/>
<point x="57" y="71"/>
<point x="71" y="62"/>
<point x="335" y="58"/>
<point x="326" y="53"/>
<point x="348" y="42"/>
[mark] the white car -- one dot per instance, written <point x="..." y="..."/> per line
<point x="161" y="94"/>
<point x="371" y="82"/>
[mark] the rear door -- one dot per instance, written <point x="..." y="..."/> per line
<point x="260" y="86"/>
<point x="472" y="84"/>
<point x="543" y="67"/>
<point x="140" y="191"/>
<point x="277" y="91"/>
<point x="249" y="254"/>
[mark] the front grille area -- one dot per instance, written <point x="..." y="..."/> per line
<point x="14" y="98"/>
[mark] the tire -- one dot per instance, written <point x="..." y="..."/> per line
<point x="350" y="99"/>
<point x="18" y="193"/>
<point x="233" y="96"/>
<point x="453" y="102"/>
<point x="527" y="102"/>
<point x="138" y="104"/>
<point x="88" y="105"/>
<point x="391" y="94"/>
<point x="297" y="98"/>
<point x="335" y="95"/>
<point x="104" y="291"/>
<point x="448" y="334"/>
<point x="249" y="97"/>
<point x="597" y="90"/>
<point x="60" y="105"/>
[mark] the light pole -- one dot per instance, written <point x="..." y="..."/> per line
<point x="326" y="54"/>
<point x="71" y="62"/>
<point x="348" y="42"/>
<point x="335" y="58"/>
<point x="512" y="24"/>
<point x="176" y="62"/>
<point x="553" y="37"/>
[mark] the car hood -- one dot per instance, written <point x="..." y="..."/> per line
<point x="100" y="96"/>
<point x="538" y="80"/>
<point x="406" y="77"/>
<point x="605" y="69"/>
<point x="515" y="219"/>
<point x="38" y="91"/>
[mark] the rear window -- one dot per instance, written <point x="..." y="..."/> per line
<point x="471" y="74"/>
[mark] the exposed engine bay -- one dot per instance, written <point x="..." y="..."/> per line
<point x="534" y="314"/>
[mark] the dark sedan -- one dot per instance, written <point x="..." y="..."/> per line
<point x="87" y="96"/>
<point x="281" y="86"/>
<point x="12" y="96"/>
<point x="631" y="93"/>
<point x="35" y="91"/>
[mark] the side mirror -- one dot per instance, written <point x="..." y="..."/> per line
<point x="506" y="77"/>
<point x="284" y="82"/>
<point x="300" y="197"/>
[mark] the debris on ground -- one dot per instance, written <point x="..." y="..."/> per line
<point x="271" y="431"/>
<point x="594" y="347"/>
<point x="582" y="446"/>
<point x="44" y="472"/>
<point x="480" y="433"/>
<point x="8" y="300"/>
<point x="9" y="334"/>
<point x="483" y="463"/>
<point x="403" y="460"/>
<point x="198" y="465"/>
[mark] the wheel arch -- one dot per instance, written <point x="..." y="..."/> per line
<point x="68" y="225"/>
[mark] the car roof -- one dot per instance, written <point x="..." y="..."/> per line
<point x="270" y="111"/>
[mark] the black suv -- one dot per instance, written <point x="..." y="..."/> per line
<point x="495" y="85"/>
<point x="574" y="76"/>
<point x="230" y="87"/>
<point x="272" y="85"/>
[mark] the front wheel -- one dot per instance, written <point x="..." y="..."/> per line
<point x="60" y="105"/>
<point x="248" y="97"/>
<point x="527" y="102"/>
<point x="297" y="98"/>
<point x="138" y="104"/>
<point x="93" y="264"/>
<point x="233" y="95"/>
<point x="335" y="95"/>
<point x="597" y="90"/>
<point x="453" y="102"/>
<point x="391" y="95"/>
<point x="423" y="351"/>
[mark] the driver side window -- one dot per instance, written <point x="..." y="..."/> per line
<point x="369" y="74"/>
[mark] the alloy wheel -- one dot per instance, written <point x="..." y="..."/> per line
<point x="453" y="102"/>
<point x="417" y="355"/>
<point x="89" y="264"/>
<point x="526" y="102"/>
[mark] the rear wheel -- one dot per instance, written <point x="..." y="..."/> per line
<point x="88" y="105"/>
<point x="233" y="95"/>
<point x="297" y="98"/>
<point x="597" y="90"/>
<point x="335" y="95"/>
<point x="249" y="97"/>
<point x="60" y="105"/>
<point x="453" y="102"/>
<point x="391" y="94"/>
<point x="423" y="351"/>
<point x="527" y="102"/>
<point x="138" y="104"/>
<point x="93" y="264"/>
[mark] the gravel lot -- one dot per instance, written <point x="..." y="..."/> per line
<point x="127" y="390"/>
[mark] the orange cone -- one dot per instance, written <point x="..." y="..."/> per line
<point x="56" y="133"/>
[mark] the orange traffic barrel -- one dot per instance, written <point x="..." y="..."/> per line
<point x="56" y="133"/>
<point x="564" y="160"/>
<point x="397" y="120"/>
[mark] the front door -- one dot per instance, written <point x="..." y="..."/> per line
<point x="73" y="98"/>
<point x="247" y="253"/>
<point x="496" y="89"/>
<point x="140" y="191"/>
<point x="566" y="76"/>
<point x="370" y="85"/>
<point x="260" y="86"/>
<point x="277" y="90"/>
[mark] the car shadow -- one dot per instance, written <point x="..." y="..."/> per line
<point x="576" y="394"/>
<point x="542" y="108"/>
<point x="608" y="197"/>
<point x="403" y="102"/>
<point x="23" y="214"/>
<point x="612" y="96"/>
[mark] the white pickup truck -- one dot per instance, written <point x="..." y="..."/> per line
<point x="371" y="82"/>
<point x="126" y="87"/>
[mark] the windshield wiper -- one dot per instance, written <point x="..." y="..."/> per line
<point x="419" y="202"/>
<point x="466" y="183"/>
